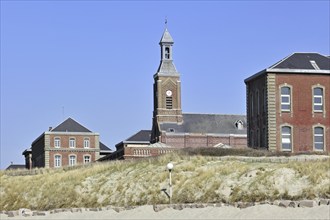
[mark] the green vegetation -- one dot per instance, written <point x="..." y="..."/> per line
<point x="196" y="179"/>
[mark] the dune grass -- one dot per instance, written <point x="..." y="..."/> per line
<point x="196" y="178"/>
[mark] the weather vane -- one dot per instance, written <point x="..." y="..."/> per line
<point x="165" y="21"/>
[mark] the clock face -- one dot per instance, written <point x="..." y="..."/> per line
<point x="168" y="92"/>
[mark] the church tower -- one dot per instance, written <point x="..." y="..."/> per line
<point x="167" y="87"/>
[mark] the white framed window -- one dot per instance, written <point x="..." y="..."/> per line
<point x="318" y="99"/>
<point x="285" y="99"/>
<point x="72" y="142"/>
<point x="87" y="158"/>
<point x="72" y="160"/>
<point x="286" y="138"/>
<point x="57" y="142"/>
<point x="57" y="161"/>
<point x="318" y="139"/>
<point x="86" y="143"/>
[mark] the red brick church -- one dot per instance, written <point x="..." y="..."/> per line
<point x="172" y="129"/>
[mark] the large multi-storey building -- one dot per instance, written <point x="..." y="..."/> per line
<point x="68" y="144"/>
<point x="288" y="105"/>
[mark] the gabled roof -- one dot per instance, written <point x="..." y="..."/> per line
<point x="303" y="61"/>
<point x="70" y="125"/>
<point x="207" y="124"/>
<point x="166" y="38"/>
<point x="140" y="136"/>
<point x="298" y="63"/>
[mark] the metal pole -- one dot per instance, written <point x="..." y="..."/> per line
<point x="170" y="186"/>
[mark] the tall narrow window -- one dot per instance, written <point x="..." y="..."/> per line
<point x="286" y="138"/>
<point x="72" y="142"/>
<point x="169" y="102"/>
<point x="167" y="52"/>
<point x="252" y="105"/>
<point x="87" y="159"/>
<point x="72" y="160"/>
<point x="86" y="143"/>
<point x="319" y="138"/>
<point x="285" y="98"/>
<point x="57" y="161"/>
<point x="258" y="103"/>
<point x="57" y="142"/>
<point x="318" y="99"/>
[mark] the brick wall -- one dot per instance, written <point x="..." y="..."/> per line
<point x="302" y="118"/>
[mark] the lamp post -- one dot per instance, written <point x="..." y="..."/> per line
<point x="170" y="167"/>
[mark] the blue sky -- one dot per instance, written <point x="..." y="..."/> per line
<point x="94" y="61"/>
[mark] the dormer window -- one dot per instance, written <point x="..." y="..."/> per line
<point x="167" y="53"/>
<point x="239" y="124"/>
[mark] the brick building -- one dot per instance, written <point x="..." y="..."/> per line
<point x="288" y="105"/>
<point x="137" y="146"/>
<point x="68" y="144"/>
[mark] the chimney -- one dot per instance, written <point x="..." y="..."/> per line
<point x="50" y="128"/>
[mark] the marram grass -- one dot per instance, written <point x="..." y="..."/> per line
<point x="198" y="179"/>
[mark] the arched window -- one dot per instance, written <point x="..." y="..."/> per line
<point x="318" y="99"/>
<point x="167" y="53"/>
<point x="57" y="142"/>
<point x="57" y="161"/>
<point x="285" y="99"/>
<point x="86" y="142"/>
<point x="72" y="142"/>
<point x="87" y="158"/>
<point x="72" y="160"/>
<point x="318" y="139"/>
<point x="286" y="138"/>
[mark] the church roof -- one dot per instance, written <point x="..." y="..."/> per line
<point x="167" y="67"/>
<point x="141" y="136"/>
<point x="70" y="125"/>
<point x="166" y="38"/>
<point x="207" y="124"/>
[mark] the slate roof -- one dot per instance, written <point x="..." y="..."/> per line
<point x="207" y="124"/>
<point x="140" y="136"/>
<point x="103" y="147"/>
<point x="15" y="166"/>
<point x="70" y="125"/>
<point x="303" y="61"/>
<point x="166" y="38"/>
<point x="298" y="63"/>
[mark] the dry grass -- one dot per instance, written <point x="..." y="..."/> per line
<point x="196" y="178"/>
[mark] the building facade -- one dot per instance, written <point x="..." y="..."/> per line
<point x="68" y="144"/>
<point x="288" y="105"/>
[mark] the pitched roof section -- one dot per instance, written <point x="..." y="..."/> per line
<point x="207" y="124"/>
<point x="304" y="61"/>
<point x="103" y="147"/>
<point x="15" y="166"/>
<point x="141" y="136"/>
<point x="298" y="63"/>
<point x="70" y="125"/>
<point x="166" y="38"/>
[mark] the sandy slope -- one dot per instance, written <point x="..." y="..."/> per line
<point x="225" y="212"/>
